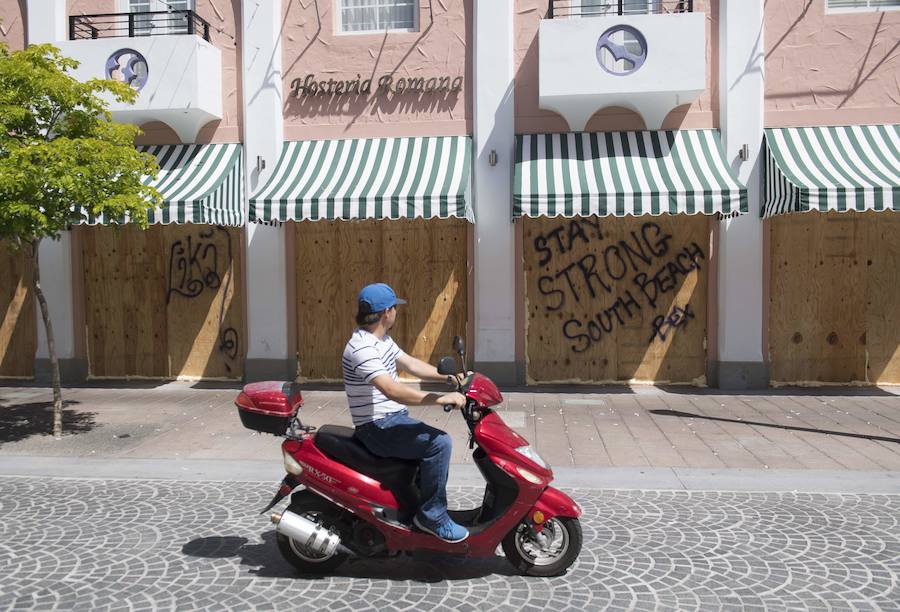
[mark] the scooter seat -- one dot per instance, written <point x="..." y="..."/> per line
<point x="340" y="444"/>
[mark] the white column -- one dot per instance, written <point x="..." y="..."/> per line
<point x="494" y="237"/>
<point x="56" y="283"/>
<point x="741" y="363"/>
<point x="46" y="23"/>
<point x="266" y="267"/>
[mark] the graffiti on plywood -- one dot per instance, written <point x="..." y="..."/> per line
<point x="196" y="265"/>
<point x="613" y="280"/>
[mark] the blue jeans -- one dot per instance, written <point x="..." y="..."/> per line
<point x="398" y="435"/>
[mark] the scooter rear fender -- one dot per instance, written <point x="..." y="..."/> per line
<point x="284" y="489"/>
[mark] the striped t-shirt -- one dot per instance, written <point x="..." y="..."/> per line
<point x="366" y="357"/>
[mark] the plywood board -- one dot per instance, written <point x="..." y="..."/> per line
<point x="834" y="298"/>
<point x="204" y="302"/>
<point x="125" y="314"/>
<point x="18" y="334"/>
<point x="163" y="303"/>
<point x="882" y="316"/>
<point x="616" y="299"/>
<point x="423" y="260"/>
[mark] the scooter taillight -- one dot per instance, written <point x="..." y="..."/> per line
<point x="243" y="401"/>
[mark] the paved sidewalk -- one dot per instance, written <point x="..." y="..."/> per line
<point x="830" y="429"/>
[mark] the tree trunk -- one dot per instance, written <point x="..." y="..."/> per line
<point x="51" y="343"/>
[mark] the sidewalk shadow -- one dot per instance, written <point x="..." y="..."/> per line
<point x="21" y="421"/>
<point x="689" y="415"/>
<point x="100" y="383"/>
<point x="128" y="384"/>
<point x="266" y="561"/>
<point x="824" y="391"/>
<point x="576" y="389"/>
<point x="220" y="385"/>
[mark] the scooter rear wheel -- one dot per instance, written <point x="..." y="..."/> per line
<point x="549" y="554"/>
<point x="320" y="511"/>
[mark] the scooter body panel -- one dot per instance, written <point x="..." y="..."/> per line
<point x="367" y="498"/>
<point x="498" y="440"/>
<point x="553" y="503"/>
<point x="336" y="481"/>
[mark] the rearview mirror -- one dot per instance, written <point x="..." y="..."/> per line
<point x="447" y="366"/>
<point x="458" y="344"/>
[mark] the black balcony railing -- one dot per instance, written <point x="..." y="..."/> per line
<point x="157" y="23"/>
<point x="598" y="8"/>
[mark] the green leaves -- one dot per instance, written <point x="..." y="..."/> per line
<point x="60" y="153"/>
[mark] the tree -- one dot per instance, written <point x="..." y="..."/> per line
<point x="61" y="157"/>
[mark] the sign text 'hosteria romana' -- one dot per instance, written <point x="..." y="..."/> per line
<point x="309" y="86"/>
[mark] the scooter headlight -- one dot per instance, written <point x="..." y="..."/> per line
<point x="530" y="477"/>
<point x="531" y="454"/>
<point x="290" y="464"/>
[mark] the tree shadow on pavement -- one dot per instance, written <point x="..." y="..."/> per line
<point x="846" y="434"/>
<point x="21" y="421"/>
<point x="266" y="561"/>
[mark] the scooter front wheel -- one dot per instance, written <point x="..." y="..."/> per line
<point x="548" y="553"/>
<point x="322" y="512"/>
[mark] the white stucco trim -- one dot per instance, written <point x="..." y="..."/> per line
<point x="574" y="84"/>
<point x="46" y="23"/>
<point x="266" y="265"/>
<point x="494" y="263"/>
<point x="56" y="283"/>
<point x="741" y="87"/>
<point x="184" y="83"/>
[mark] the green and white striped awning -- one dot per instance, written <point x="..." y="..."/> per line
<point x="832" y="168"/>
<point x="379" y="178"/>
<point x="624" y="173"/>
<point x="199" y="183"/>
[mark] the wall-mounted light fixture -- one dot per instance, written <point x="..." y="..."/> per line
<point x="745" y="152"/>
<point x="260" y="163"/>
<point x="492" y="157"/>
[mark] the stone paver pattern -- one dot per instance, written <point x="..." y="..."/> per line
<point x="829" y="429"/>
<point x="82" y="544"/>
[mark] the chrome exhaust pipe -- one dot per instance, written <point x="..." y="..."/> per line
<point x="308" y="534"/>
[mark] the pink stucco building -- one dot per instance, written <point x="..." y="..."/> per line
<point x="626" y="180"/>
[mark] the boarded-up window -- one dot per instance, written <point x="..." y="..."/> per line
<point x="834" y="312"/>
<point x="18" y="334"/>
<point x="616" y="298"/>
<point x="423" y="260"/>
<point x="164" y="303"/>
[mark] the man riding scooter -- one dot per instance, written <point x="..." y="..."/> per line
<point x="355" y="491"/>
<point x="378" y="405"/>
<point x="346" y="500"/>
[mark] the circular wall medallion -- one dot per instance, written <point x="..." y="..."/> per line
<point x="128" y="66"/>
<point x="621" y="50"/>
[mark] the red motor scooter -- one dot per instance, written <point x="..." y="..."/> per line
<point x="346" y="501"/>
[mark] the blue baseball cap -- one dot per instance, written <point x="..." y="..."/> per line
<point x="377" y="297"/>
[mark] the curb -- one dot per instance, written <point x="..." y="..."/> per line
<point x="657" y="479"/>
